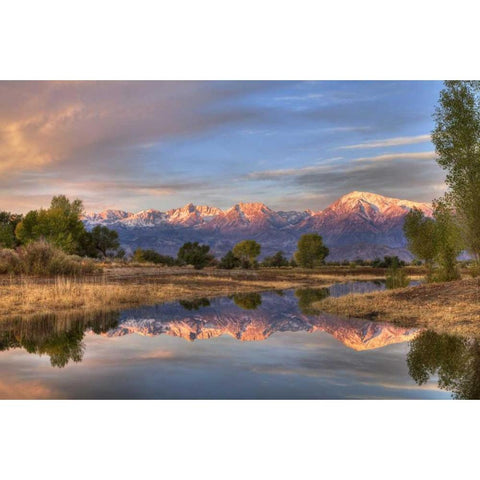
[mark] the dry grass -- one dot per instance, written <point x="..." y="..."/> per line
<point x="127" y="287"/>
<point x="452" y="307"/>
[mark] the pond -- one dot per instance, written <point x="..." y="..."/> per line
<point x="269" y="345"/>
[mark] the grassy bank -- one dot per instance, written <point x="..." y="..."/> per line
<point x="452" y="307"/>
<point x="125" y="287"/>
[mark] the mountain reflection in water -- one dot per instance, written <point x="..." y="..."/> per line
<point x="253" y="318"/>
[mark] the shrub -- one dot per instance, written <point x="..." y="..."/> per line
<point x="151" y="256"/>
<point x="42" y="258"/>
<point x="191" y="253"/>
<point x="9" y="261"/>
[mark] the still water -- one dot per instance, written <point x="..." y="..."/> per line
<point x="255" y="346"/>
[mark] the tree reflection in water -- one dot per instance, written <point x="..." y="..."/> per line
<point x="61" y="338"/>
<point x="247" y="301"/>
<point x="194" y="304"/>
<point x="456" y="361"/>
<point x="307" y="296"/>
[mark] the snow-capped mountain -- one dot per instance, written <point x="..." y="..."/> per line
<point x="359" y="224"/>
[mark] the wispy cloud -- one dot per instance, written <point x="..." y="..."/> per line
<point x="304" y="98"/>
<point x="389" y="142"/>
<point x="399" y="156"/>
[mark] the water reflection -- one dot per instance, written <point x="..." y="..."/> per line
<point x="247" y="301"/>
<point x="58" y="337"/>
<point x="394" y="361"/>
<point x="455" y="360"/>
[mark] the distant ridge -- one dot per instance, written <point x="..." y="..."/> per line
<point x="357" y="225"/>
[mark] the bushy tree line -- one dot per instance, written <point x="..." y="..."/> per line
<point x="61" y="226"/>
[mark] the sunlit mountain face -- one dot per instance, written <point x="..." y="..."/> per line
<point x="357" y="225"/>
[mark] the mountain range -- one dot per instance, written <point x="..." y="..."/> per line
<point x="357" y="225"/>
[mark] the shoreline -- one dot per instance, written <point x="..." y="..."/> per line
<point x="127" y="287"/>
<point x="450" y="307"/>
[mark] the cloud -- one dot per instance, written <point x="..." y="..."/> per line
<point x="399" y="156"/>
<point x="390" y="142"/>
<point x="383" y="174"/>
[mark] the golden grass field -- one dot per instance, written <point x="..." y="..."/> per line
<point x="122" y="287"/>
<point x="452" y="307"/>
<point x="445" y="307"/>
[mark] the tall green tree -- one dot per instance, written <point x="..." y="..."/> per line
<point x="311" y="251"/>
<point x="60" y="224"/>
<point x="421" y="239"/>
<point x="457" y="143"/>
<point x="104" y="239"/>
<point x="247" y="251"/>
<point x="448" y="241"/>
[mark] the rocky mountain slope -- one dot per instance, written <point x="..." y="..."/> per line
<point x="357" y="225"/>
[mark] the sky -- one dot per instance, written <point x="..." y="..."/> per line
<point x="291" y="145"/>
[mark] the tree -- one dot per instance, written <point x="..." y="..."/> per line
<point x="311" y="251"/>
<point x="436" y="241"/>
<point x="229" y="261"/>
<point x="8" y="223"/>
<point x="420" y="234"/>
<point x="448" y="241"/>
<point x="277" y="260"/>
<point x="247" y="251"/>
<point x="104" y="239"/>
<point x="60" y="224"/>
<point x="192" y="253"/>
<point x="457" y="144"/>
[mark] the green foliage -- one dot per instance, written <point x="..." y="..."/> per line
<point x="307" y="296"/>
<point x="448" y="242"/>
<point x="277" y="260"/>
<point x="420" y="234"/>
<point x="49" y="335"/>
<point x="457" y="143"/>
<point x="8" y="223"/>
<point x="151" y="256"/>
<point x="192" y="253"/>
<point x="104" y="240"/>
<point x="60" y="225"/>
<point x="455" y="360"/>
<point x="311" y="251"/>
<point x="437" y="241"/>
<point x="247" y="251"/>
<point x="248" y="301"/>
<point x="229" y="261"/>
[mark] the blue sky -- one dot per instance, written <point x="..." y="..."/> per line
<point x="291" y="145"/>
